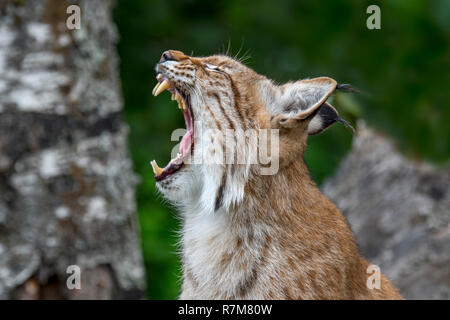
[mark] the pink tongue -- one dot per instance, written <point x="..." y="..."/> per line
<point x="186" y="142"/>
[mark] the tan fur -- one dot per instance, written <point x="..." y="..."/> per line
<point x="280" y="238"/>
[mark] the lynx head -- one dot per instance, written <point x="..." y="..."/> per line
<point x="234" y="118"/>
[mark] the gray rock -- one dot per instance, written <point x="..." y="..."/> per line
<point x="399" y="210"/>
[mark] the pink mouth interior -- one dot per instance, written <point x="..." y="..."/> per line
<point x="186" y="141"/>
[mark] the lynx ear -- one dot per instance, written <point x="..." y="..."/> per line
<point x="326" y="116"/>
<point x="299" y="100"/>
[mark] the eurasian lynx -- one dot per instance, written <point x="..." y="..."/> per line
<point x="248" y="235"/>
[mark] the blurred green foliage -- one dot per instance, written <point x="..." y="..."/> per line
<point x="403" y="71"/>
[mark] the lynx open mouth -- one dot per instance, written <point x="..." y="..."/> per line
<point x="187" y="142"/>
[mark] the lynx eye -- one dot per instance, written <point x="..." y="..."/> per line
<point x="212" y="67"/>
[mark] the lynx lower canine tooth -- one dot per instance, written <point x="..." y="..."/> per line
<point x="173" y="96"/>
<point x="156" y="88"/>
<point x="156" y="169"/>
<point x="163" y="86"/>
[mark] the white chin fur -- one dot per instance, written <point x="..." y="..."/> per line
<point x="181" y="186"/>
<point x="197" y="187"/>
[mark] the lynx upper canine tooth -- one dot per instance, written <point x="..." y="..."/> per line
<point x="156" y="88"/>
<point x="163" y="86"/>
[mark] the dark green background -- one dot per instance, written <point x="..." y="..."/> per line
<point x="403" y="71"/>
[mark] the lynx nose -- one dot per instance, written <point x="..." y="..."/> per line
<point x="173" y="55"/>
<point x="166" y="56"/>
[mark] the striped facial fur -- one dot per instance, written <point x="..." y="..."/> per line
<point x="215" y="98"/>
<point x="250" y="233"/>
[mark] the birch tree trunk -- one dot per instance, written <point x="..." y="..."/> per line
<point x="67" y="188"/>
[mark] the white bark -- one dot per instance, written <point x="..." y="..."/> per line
<point x="66" y="179"/>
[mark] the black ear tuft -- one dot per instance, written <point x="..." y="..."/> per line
<point x="326" y="116"/>
<point x="346" y="124"/>
<point x="346" y="87"/>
